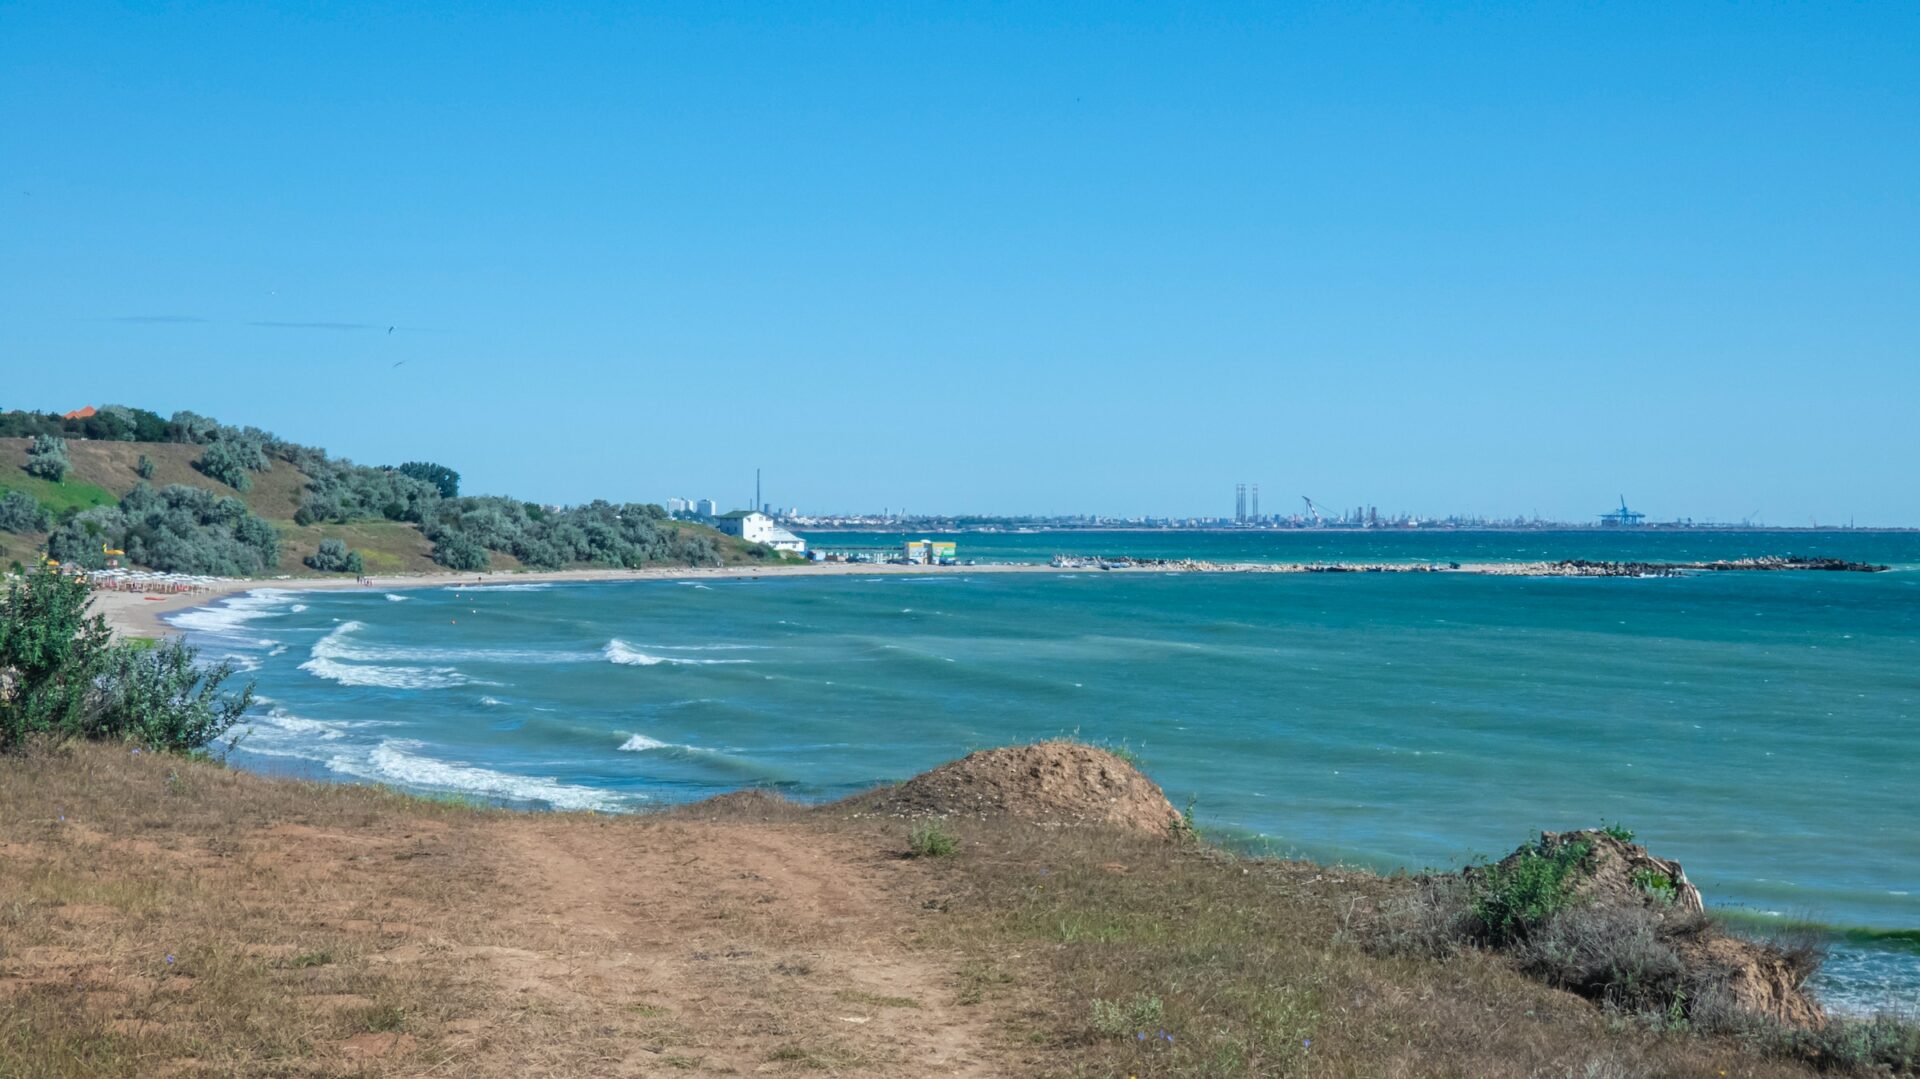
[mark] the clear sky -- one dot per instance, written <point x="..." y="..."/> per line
<point x="1104" y="257"/>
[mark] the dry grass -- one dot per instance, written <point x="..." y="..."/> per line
<point x="322" y="930"/>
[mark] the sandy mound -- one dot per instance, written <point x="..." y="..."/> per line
<point x="1062" y="783"/>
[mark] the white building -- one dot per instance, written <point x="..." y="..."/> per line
<point x="679" y="506"/>
<point x="759" y="528"/>
<point x="706" y="507"/>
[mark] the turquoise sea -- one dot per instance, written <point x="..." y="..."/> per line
<point x="1760" y="727"/>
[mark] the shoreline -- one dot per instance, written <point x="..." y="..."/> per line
<point x="136" y="614"/>
<point x="140" y="614"/>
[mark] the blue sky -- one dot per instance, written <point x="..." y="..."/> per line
<point x="1106" y="257"/>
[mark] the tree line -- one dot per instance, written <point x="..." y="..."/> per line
<point x="188" y="529"/>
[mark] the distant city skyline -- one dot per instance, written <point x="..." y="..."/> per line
<point x="1471" y="259"/>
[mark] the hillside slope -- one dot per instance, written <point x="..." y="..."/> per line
<point x="103" y="472"/>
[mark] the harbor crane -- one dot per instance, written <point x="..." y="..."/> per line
<point x="1313" y="510"/>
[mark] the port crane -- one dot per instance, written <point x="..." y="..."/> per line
<point x="1312" y="510"/>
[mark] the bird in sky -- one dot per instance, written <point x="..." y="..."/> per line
<point x="396" y="365"/>
<point x="389" y="330"/>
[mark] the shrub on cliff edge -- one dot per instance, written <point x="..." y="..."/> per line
<point x="61" y="676"/>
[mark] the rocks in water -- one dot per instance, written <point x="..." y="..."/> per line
<point x="1053" y="783"/>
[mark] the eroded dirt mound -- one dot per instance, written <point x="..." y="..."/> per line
<point x="1061" y="783"/>
<point x="1620" y="873"/>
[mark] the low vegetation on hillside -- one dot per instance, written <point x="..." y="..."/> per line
<point x="171" y="515"/>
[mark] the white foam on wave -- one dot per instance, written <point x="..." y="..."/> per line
<point x="524" y="587"/>
<point x="297" y="608"/>
<point x="330" y="655"/>
<point x="398" y="761"/>
<point x="492" y="702"/>
<point x="640" y="743"/>
<point x="619" y="651"/>
<point x="395" y="598"/>
<point x="228" y="617"/>
<point x="277" y="649"/>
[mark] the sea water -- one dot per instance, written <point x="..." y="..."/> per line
<point x="1759" y="727"/>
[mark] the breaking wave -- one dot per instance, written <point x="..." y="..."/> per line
<point x="397" y="761"/>
<point x="330" y="655"/>
<point x="619" y="651"/>
<point x="229" y="617"/>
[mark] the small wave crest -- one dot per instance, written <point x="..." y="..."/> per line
<point x="393" y="597"/>
<point x="619" y="651"/>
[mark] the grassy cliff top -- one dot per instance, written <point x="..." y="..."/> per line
<point x="173" y="917"/>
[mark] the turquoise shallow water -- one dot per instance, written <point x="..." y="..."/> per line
<point x="1759" y="727"/>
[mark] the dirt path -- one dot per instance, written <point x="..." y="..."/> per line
<point x="724" y="950"/>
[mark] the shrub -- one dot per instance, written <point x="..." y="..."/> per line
<point x="1620" y="955"/>
<point x="21" y="512"/>
<point x="1512" y="898"/>
<point x="62" y="677"/>
<point x="144" y="468"/>
<point x="930" y="840"/>
<point x="458" y="552"/>
<point x="333" y="557"/>
<point x="47" y="458"/>
<point x="221" y="462"/>
<point x="50" y="654"/>
<point x="161" y="698"/>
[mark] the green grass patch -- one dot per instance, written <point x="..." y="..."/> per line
<point x="69" y="494"/>
<point x="931" y="840"/>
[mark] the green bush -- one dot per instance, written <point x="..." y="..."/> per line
<point x="333" y="557"/>
<point x="51" y="653"/>
<point x="47" y="458"/>
<point x="144" y="468"/>
<point x="20" y="512"/>
<point x="221" y="462"/>
<point x="459" y="552"/>
<point x="163" y="699"/>
<point x="1514" y="897"/>
<point x="61" y="676"/>
<point x="930" y="840"/>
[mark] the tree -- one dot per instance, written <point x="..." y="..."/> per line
<point x="457" y="552"/>
<point x="21" y="512"/>
<point x="51" y="653"/>
<point x="333" y="557"/>
<point x="47" y="458"/>
<point x="144" y="468"/>
<point x="221" y="462"/>
<point x="445" y="479"/>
